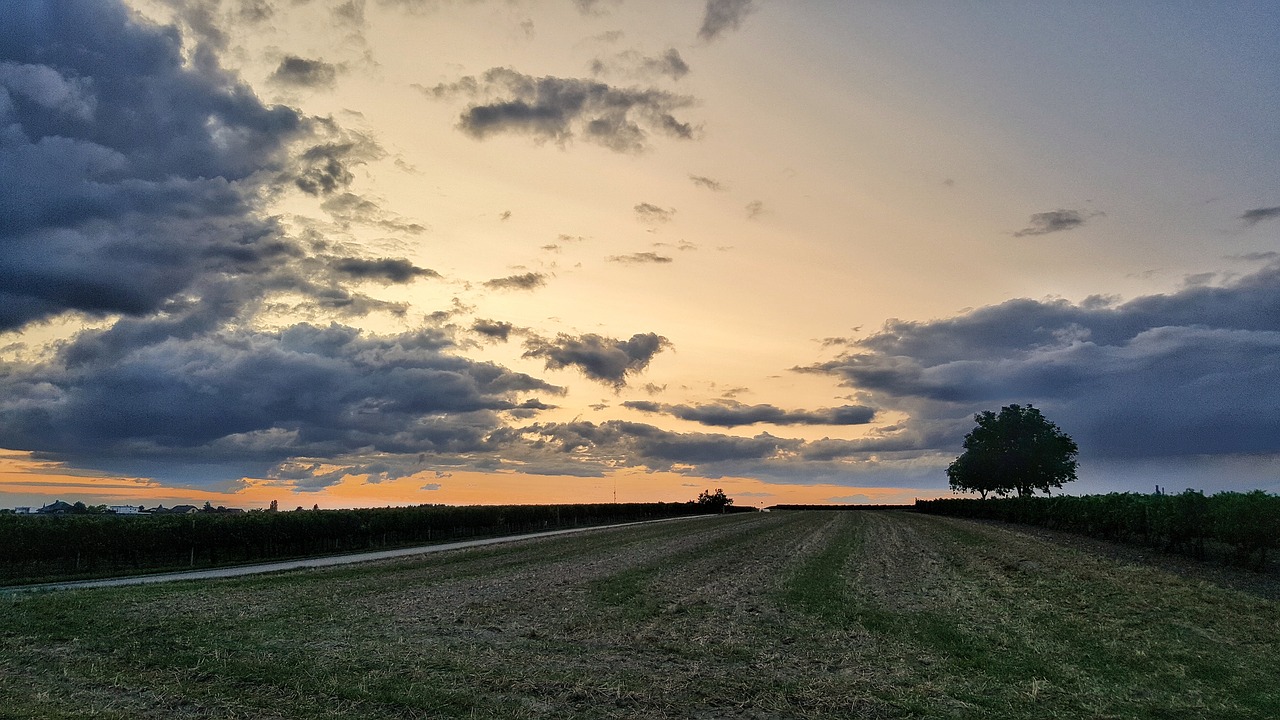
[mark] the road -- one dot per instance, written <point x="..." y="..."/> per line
<point x="312" y="562"/>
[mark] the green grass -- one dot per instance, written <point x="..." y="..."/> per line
<point x="781" y="615"/>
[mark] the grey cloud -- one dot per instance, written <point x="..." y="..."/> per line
<point x="736" y="414"/>
<point x="1053" y="221"/>
<point x="525" y="281"/>
<point x="301" y="72"/>
<point x="324" y="168"/>
<point x="251" y="399"/>
<point x="755" y="209"/>
<point x="640" y="258"/>
<point x="1196" y="372"/>
<point x="1257" y="215"/>
<point x="650" y="213"/>
<point x="552" y="108"/>
<point x="347" y="208"/>
<point x="605" y="359"/>
<point x="391" y="270"/>
<point x="493" y="329"/>
<point x="651" y="447"/>
<point x="724" y="15"/>
<point x="126" y="174"/>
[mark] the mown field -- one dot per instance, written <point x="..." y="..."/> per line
<point x="777" y="615"/>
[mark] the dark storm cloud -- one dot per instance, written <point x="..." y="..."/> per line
<point x="736" y="414"/>
<point x="724" y="15"/>
<point x="1053" y="221"/>
<point x="251" y="399"/>
<point x="605" y="359"/>
<point x="390" y="270"/>
<point x="640" y="258"/>
<point x="301" y="72"/>
<point x="1196" y="372"/>
<point x="525" y="281"/>
<point x="651" y="447"/>
<point x="1257" y="215"/>
<point x="125" y="173"/>
<point x="558" y="109"/>
<point x="493" y="329"/>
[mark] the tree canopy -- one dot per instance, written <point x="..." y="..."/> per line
<point x="1016" y="450"/>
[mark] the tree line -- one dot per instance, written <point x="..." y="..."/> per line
<point x="1246" y="524"/>
<point x="43" y="548"/>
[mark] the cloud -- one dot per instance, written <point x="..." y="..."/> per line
<point x="493" y="329"/>
<point x="387" y="270"/>
<point x="653" y="214"/>
<point x="632" y="64"/>
<point x="605" y="359"/>
<point x="707" y="183"/>
<point x="724" y="15"/>
<point x="128" y="176"/>
<point x="525" y="281"/>
<point x="559" y="109"/>
<point x="640" y="258"/>
<point x="736" y="414"/>
<point x="1191" y="373"/>
<point x="296" y="71"/>
<point x="755" y="209"/>
<point x="1257" y="215"/>
<point x="1053" y="221"/>
<point x="157" y="401"/>
<point x="431" y="487"/>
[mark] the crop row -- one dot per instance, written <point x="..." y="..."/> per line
<point x="50" y="547"/>
<point x="1247" y="523"/>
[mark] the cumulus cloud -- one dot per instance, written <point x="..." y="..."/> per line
<point x="640" y="258"/>
<point x="1196" y="372"/>
<point x="721" y="16"/>
<point x="559" y="109"/>
<point x="161" y="399"/>
<point x="297" y="71"/>
<point x="736" y="414"/>
<point x="608" y="360"/>
<point x="1053" y="221"/>
<point x="1257" y="215"/>
<point x="127" y="175"/>
<point x="523" y="281"/>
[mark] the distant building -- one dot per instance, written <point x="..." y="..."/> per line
<point x="126" y="509"/>
<point x="57" y="507"/>
<point x="24" y="511"/>
<point x="183" y="509"/>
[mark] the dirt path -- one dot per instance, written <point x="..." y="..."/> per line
<point x="314" y="562"/>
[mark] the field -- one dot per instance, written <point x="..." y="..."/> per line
<point x="772" y="615"/>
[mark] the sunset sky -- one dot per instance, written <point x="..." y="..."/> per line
<point x="371" y="252"/>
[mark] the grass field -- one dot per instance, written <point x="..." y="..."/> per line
<point x="778" y="615"/>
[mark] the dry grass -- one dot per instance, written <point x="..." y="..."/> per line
<point x="782" y="615"/>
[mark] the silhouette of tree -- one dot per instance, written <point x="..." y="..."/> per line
<point x="717" y="501"/>
<point x="1016" y="450"/>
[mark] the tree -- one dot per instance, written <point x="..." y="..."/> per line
<point x="717" y="501"/>
<point x="1016" y="450"/>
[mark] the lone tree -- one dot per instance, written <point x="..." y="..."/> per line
<point x="717" y="501"/>
<point x="1016" y="450"/>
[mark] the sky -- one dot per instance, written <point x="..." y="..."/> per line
<point x="385" y="252"/>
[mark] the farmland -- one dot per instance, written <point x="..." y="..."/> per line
<point x="786" y="614"/>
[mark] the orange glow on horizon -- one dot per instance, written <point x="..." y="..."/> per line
<point x="25" y="481"/>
